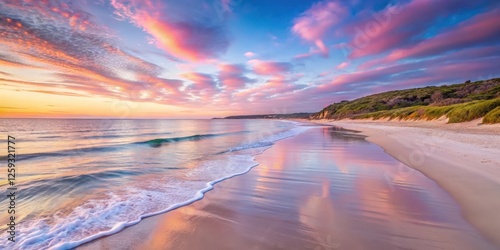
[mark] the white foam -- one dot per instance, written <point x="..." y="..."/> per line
<point x="118" y="209"/>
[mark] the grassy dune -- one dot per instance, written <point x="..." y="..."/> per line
<point x="458" y="102"/>
<point x="493" y="116"/>
<point x="489" y="109"/>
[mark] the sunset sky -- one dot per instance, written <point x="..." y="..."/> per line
<point x="212" y="58"/>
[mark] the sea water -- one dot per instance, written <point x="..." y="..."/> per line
<point x="80" y="179"/>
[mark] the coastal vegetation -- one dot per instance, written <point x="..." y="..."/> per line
<point x="458" y="102"/>
<point x="492" y="116"/>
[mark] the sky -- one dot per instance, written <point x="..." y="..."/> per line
<point x="215" y="58"/>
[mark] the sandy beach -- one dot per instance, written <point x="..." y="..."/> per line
<point x="463" y="158"/>
<point x="323" y="189"/>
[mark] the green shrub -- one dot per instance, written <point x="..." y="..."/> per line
<point x="492" y="116"/>
<point x="472" y="110"/>
<point x="462" y="112"/>
<point x="376" y="105"/>
<point x="432" y="113"/>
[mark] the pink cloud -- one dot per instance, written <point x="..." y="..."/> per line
<point x="188" y="40"/>
<point x="320" y="49"/>
<point x="185" y="40"/>
<point x="232" y="76"/>
<point x="231" y="68"/>
<point x="57" y="11"/>
<point x="477" y="30"/>
<point x="39" y="42"/>
<point x="396" y="26"/>
<point x="304" y="56"/>
<point x="313" y="24"/>
<point x="276" y="87"/>
<point x="269" y="68"/>
<point x="323" y="50"/>
<point x="250" y="54"/>
<point x="343" y="65"/>
<point x="170" y="85"/>
<point x="199" y="81"/>
<point x="316" y="21"/>
<point x="452" y="68"/>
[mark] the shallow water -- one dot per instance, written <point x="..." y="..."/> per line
<point x="321" y="189"/>
<point x="349" y="194"/>
<point x="80" y="179"/>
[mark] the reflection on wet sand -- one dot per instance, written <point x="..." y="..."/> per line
<point x="324" y="189"/>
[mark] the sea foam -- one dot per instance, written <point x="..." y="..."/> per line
<point x="114" y="210"/>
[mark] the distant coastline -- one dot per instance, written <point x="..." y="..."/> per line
<point x="270" y="116"/>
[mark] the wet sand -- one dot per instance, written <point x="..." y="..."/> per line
<point x="463" y="158"/>
<point x="323" y="189"/>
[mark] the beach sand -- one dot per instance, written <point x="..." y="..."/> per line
<point x="323" y="189"/>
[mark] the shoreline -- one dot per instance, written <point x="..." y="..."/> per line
<point x="469" y="170"/>
<point x="319" y="189"/>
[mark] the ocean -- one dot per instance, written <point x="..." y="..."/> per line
<point x="80" y="179"/>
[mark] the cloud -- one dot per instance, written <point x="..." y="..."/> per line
<point x="267" y="93"/>
<point x="48" y="11"/>
<point x="224" y="8"/>
<point x="342" y="65"/>
<point x="61" y="88"/>
<point x="303" y="56"/>
<point x="63" y="93"/>
<point x="82" y="56"/>
<point x="199" y="81"/>
<point x="450" y="68"/>
<point x="280" y="85"/>
<point x="6" y="61"/>
<point x="202" y="90"/>
<point x="483" y="28"/>
<point x="4" y="73"/>
<point x="315" y="22"/>
<point x="233" y="76"/>
<point x="480" y="30"/>
<point x="153" y="82"/>
<point x="323" y="50"/>
<point x="269" y="67"/>
<point x="187" y="39"/>
<point x="250" y="54"/>
<point x="401" y="25"/>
